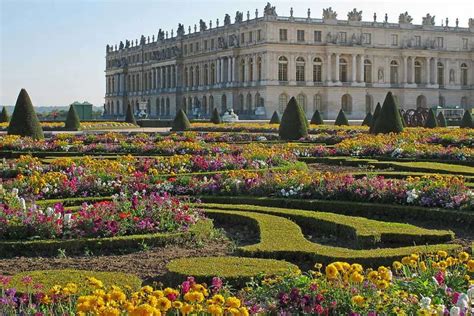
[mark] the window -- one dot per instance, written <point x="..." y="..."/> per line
<point x="300" y="69"/>
<point x="259" y="68"/>
<point x="342" y="70"/>
<point x="463" y="74"/>
<point x="343" y="37"/>
<point x="212" y="43"/>
<point x="317" y="70"/>
<point x="250" y="37"/>
<point x="242" y="70"/>
<point x="317" y="103"/>
<point x="417" y="72"/>
<point x="241" y="104"/>
<point x="206" y="75"/>
<point x="393" y="72"/>
<point x="465" y="43"/>
<point x="191" y="77"/>
<point x="198" y="83"/>
<point x="317" y="36"/>
<point x="301" y="100"/>
<point x="250" y="69"/>
<point x="282" y="102"/>
<point x="346" y="103"/>
<point x="441" y="101"/>
<point x="249" y="103"/>
<point x="300" y="35"/>
<point x="213" y="74"/>
<point x="439" y="42"/>
<point x="205" y="44"/>
<point x="191" y="47"/>
<point x="242" y="38"/>
<point x="394" y="40"/>
<point x="417" y="40"/>
<point x="283" y="34"/>
<point x="367" y="38"/>
<point x="204" y="105"/>
<point x="185" y="49"/>
<point x="440" y="74"/>
<point x="259" y="35"/>
<point x="283" y="69"/>
<point x="367" y="71"/>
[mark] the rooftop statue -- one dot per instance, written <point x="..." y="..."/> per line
<point x="142" y="40"/>
<point x="329" y="14"/>
<point x="121" y="45"/>
<point x="269" y="10"/>
<point x="405" y="18"/>
<point x="202" y="25"/>
<point x="180" y="31"/>
<point x="227" y="19"/>
<point x="354" y="15"/>
<point x="161" y="35"/>
<point x="127" y="43"/>
<point x="429" y="20"/>
<point x="239" y="17"/>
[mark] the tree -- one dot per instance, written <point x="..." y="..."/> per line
<point x="341" y="119"/>
<point x="376" y="115"/>
<point x="294" y="124"/>
<point x="367" y="120"/>
<point x="317" y="119"/>
<point x="275" y="118"/>
<point x="216" y="118"/>
<point x="24" y="121"/>
<point x="181" y="122"/>
<point x="431" y="120"/>
<point x="466" y="121"/>
<point x="72" y="120"/>
<point x="129" y="117"/>
<point x="4" y="117"/>
<point x="442" y="120"/>
<point x="389" y="120"/>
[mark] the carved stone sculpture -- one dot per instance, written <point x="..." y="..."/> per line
<point x="239" y="17"/>
<point x="161" y="34"/>
<point x="127" y="43"/>
<point x="233" y="41"/>
<point x="142" y="40"/>
<point x="180" y="31"/>
<point x="380" y="75"/>
<point x="354" y="15"/>
<point x="202" y="25"/>
<point x="121" y="45"/>
<point x="404" y="18"/>
<point x="429" y="20"/>
<point x="269" y="10"/>
<point x="329" y="14"/>
<point x="227" y="19"/>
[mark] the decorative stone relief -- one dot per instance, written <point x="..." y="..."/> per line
<point x="405" y="18"/>
<point x="429" y="20"/>
<point x="269" y="10"/>
<point x="329" y="14"/>
<point x="354" y="15"/>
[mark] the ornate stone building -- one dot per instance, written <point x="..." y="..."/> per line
<point x="257" y="63"/>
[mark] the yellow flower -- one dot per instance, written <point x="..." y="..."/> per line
<point x="147" y="289"/>
<point x="118" y="296"/>
<point x="218" y="299"/>
<point x="331" y="271"/>
<point x="215" y="310"/>
<point x="358" y="300"/>
<point x="164" y="304"/>
<point x="463" y="256"/>
<point x="423" y="266"/>
<point x="382" y="284"/>
<point x="232" y="302"/>
<point x="94" y="282"/>
<point x="356" y="277"/>
<point x="109" y="311"/>
<point x="397" y="265"/>
<point x="186" y="309"/>
<point x="470" y="265"/>
<point x="373" y="276"/>
<point x="442" y="253"/>
<point x="177" y="304"/>
<point x="145" y="310"/>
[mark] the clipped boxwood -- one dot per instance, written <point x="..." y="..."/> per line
<point x="50" y="278"/>
<point x="24" y="121"/>
<point x="466" y="121"/>
<point x="367" y="120"/>
<point x="375" y="117"/>
<point x="275" y="118"/>
<point x="431" y="121"/>
<point x="235" y="270"/>
<point x="72" y="120"/>
<point x="441" y="120"/>
<point x="317" y="119"/>
<point x="216" y="118"/>
<point x="4" y="117"/>
<point x="129" y="116"/>
<point x="389" y="120"/>
<point x="341" y="119"/>
<point x="181" y="122"/>
<point x="293" y="124"/>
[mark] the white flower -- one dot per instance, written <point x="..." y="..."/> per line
<point x="412" y="196"/>
<point x="455" y="311"/>
<point x="462" y="302"/>
<point x="23" y="203"/>
<point x="425" y="302"/>
<point x="15" y="192"/>
<point x="67" y="218"/>
<point x="49" y="211"/>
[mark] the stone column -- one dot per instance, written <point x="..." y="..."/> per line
<point x="329" y="69"/>
<point x="229" y="69"/>
<point x="175" y="76"/>
<point x="412" y="69"/>
<point x="446" y="72"/>
<point x="405" y="69"/>
<point x="354" y="66"/>
<point x="337" y="68"/>
<point x="222" y="70"/>
<point x="162" y="77"/>
<point x="218" y="77"/>
<point x="255" y="68"/>
<point x="435" y="71"/>
<point x="234" y="70"/>
<point x="361" y="68"/>
<point x="428" y="74"/>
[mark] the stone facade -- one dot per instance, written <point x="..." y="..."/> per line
<point x="255" y="65"/>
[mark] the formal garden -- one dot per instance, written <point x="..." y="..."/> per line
<point x="288" y="217"/>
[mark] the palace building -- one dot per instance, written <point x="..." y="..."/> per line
<point x="255" y="64"/>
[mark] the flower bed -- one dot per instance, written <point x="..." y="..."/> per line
<point x="84" y="125"/>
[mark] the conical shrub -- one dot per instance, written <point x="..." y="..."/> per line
<point x="294" y="124"/>
<point x="317" y="119"/>
<point x="431" y="120"/>
<point x="341" y="119"/>
<point x="389" y="120"/>
<point x="275" y="118"/>
<point x="129" y="116"/>
<point x="376" y="115"/>
<point x="466" y="121"/>
<point x="216" y="118"/>
<point x="4" y="117"/>
<point x="404" y="123"/>
<point x="24" y="121"/>
<point x="367" y="120"/>
<point x="181" y="122"/>
<point x="441" y="120"/>
<point x="72" y="120"/>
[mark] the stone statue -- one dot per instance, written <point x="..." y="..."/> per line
<point x="142" y="40"/>
<point x="153" y="38"/>
<point x="354" y="39"/>
<point x="447" y="22"/>
<point x="354" y="15"/>
<point x="329" y="14"/>
<point x="429" y="20"/>
<point x="457" y="22"/>
<point x="221" y="42"/>
<point x="127" y="44"/>
<point x="269" y="10"/>
<point x="256" y="13"/>
<point x="107" y="48"/>
<point x="233" y="42"/>
<point x="386" y="17"/>
<point x="148" y="39"/>
<point x="180" y="31"/>
<point x="248" y="15"/>
<point x="166" y="34"/>
<point x="239" y="17"/>
<point x="210" y="24"/>
<point x="195" y="28"/>
<point x="375" y="17"/>
<point x="202" y="25"/>
<point x="309" y="13"/>
<point x="380" y="75"/>
<point x="161" y="34"/>
<point x="227" y="19"/>
<point x="121" y="45"/>
<point x="291" y="12"/>
<point x="404" y="18"/>
<point x="172" y="33"/>
<point x="189" y="29"/>
<point x="329" y="37"/>
<point x="217" y="22"/>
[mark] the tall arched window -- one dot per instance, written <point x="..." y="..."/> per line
<point x="300" y="69"/>
<point x="242" y="70"/>
<point x="224" y="103"/>
<point x="441" y="101"/>
<point x="346" y="103"/>
<point x="317" y="102"/>
<point x="213" y="74"/>
<point x="317" y="70"/>
<point x="342" y="70"/>
<point x="464" y="74"/>
<point x="168" y="110"/>
<point x="367" y="71"/>
<point x="259" y="68"/>
<point x="204" y="105"/>
<point x="241" y="107"/>
<point x="393" y="72"/>
<point x="145" y="82"/>
<point x="190" y="106"/>
<point x="133" y="84"/>
<point x="211" y="104"/>
<point x="191" y="77"/>
<point x="440" y="74"/>
<point x="157" y="107"/>
<point x="301" y="99"/>
<point x="162" y="108"/>
<point x="258" y="100"/>
<point x="250" y="69"/>
<point x="186" y="82"/>
<point x="417" y="72"/>
<point x="197" y="76"/>
<point x="249" y="103"/>
<point x="421" y="101"/>
<point x="128" y="83"/>
<point x="206" y="75"/>
<point x="465" y="103"/>
<point x="184" y="107"/>
<point x="368" y="103"/>
<point x="112" y="108"/>
<point x="282" y="69"/>
<point x="282" y="102"/>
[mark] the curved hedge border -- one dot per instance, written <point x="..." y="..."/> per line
<point x="235" y="270"/>
<point x="110" y="244"/>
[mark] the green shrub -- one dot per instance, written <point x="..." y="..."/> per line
<point x="367" y="120"/>
<point x="341" y="119"/>
<point x="181" y="122"/>
<point x="431" y="120"/>
<point x="376" y="115"/>
<point x="129" y="116"/>
<point x="24" y="121"/>
<point x="404" y="123"/>
<point x="389" y="120"/>
<point x="275" y="118"/>
<point x="4" y="117"/>
<point x="317" y="119"/>
<point x="293" y="124"/>
<point x="466" y="121"/>
<point x="216" y="118"/>
<point x="442" y="120"/>
<point x="72" y="120"/>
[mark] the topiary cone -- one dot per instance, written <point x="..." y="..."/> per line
<point x="293" y="124"/>
<point x="72" y="120"/>
<point x="317" y="119"/>
<point x="275" y="118"/>
<point x="341" y="119"/>
<point x="216" y="118"/>
<point x="4" y="117"/>
<point x="367" y="120"/>
<point x="24" y="121"/>
<point x="129" y="117"/>
<point x="376" y="115"/>
<point x="181" y="122"/>
<point x="442" y="120"/>
<point x="431" y="121"/>
<point x="404" y="123"/>
<point x="466" y="121"/>
<point x="389" y="120"/>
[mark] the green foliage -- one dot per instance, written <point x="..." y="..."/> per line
<point x="442" y="120"/>
<point x="293" y="124"/>
<point x="24" y="121"/>
<point x="389" y="120"/>
<point x="72" y="120"/>
<point x="367" y="120"/>
<point x="129" y="116"/>
<point x="466" y="121"/>
<point x="181" y="122"/>
<point x="216" y="118"/>
<point x="341" y="119"/>
<point x="317" y="119"/>
<point x="275" y="118"/>
<point x="4" y="117"/>
<point x="431" y="121"/>
<point x="404" y="123"/>
<point x="376" y="115"/>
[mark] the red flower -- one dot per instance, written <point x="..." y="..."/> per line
<point x="124" y="215"/>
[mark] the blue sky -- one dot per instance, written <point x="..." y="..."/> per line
<point x="56" y="49"/>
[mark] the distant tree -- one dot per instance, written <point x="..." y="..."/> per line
<point x="316" y="119"/>
<point x="216" y="118"/>
<point x="129" y="116"/>
<point x="181" y="122"/>
<point x="466" y="121"/>
<point x="275" y="118"/>
<point x="378" y="108"/>
<point x="367" y="120"/>
<point x="389" y="120"/>
<point x="441" y="120"/>
<point x="341" y="119"/>
<point x="294" y="124"/>
<point x="72" y="120"/>
<point x="4" y="117"/>
<point x="24" y="121"/>
<point x="431" y="120"/>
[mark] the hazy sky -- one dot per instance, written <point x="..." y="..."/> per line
<point x="56" y="49"/>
